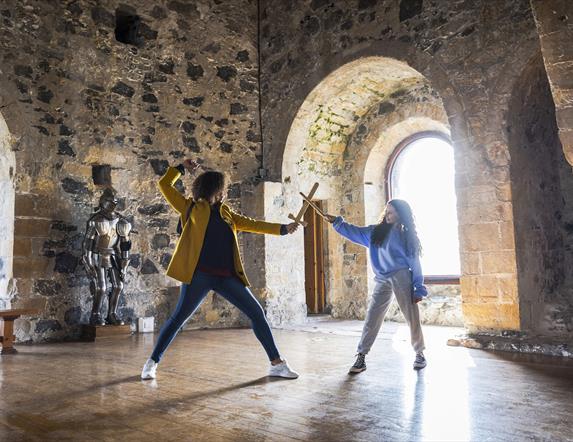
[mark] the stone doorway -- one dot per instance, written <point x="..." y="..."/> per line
<point x="314" y="255"/>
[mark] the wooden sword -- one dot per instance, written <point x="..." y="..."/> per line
<point x="298" y="219"/>
<point x="314" y="206"/>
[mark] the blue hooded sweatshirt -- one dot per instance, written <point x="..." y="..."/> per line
<point x="387" y="259"/>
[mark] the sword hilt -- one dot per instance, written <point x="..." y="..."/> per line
<point x="301" y="222"/>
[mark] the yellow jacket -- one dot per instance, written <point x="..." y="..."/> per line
<point x="188" y="249"/>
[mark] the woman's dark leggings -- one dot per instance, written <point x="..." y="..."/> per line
<point x="230" y="288"/>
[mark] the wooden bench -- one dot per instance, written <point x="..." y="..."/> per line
<point x="7" y="330"/>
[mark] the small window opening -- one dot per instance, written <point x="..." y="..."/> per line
<point x="101" y="174"/>
<point x="127" y="27"/>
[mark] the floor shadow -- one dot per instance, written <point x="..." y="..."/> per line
<point x="163" y="404"/>
<point x="24" y="354"/>
<point x="533" y="359"/>
<point x="220" y="391"/>
<point x="553" y="367"/>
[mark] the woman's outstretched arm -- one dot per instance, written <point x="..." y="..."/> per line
<point x="245" y="224"/>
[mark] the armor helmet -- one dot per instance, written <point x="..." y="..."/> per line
<point x="108" y="201"/>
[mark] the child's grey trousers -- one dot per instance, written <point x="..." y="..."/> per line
<point x="400" y="284"/>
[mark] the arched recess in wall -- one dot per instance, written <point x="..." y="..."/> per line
<point x="421" y="170"/>
<point x="542" y="190"/>
<point x="371" y="152"/>
<point x="7" y="168"/>
<point x="335" y="131"/>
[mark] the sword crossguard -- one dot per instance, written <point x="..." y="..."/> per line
<point x="299" y="218"/>
<point x="298" y="221"/>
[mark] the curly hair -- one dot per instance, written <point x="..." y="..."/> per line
<point x="406" y="224"/>
<point x="208" y="185"/>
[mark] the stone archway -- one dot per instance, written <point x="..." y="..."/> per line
<point x="7" y="167"/>
<point x="319" y="148"/>
<point x="355" y="113"/>
<point x="370" y="155"/>
<point x="542" y="189"/>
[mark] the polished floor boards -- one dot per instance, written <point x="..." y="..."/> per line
<point x="212" y="386"/>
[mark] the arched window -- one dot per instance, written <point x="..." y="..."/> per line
<point x="422" y="173"/>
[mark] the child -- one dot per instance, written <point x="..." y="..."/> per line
<point x="394" y="250"/>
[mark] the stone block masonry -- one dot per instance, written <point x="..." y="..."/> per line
<point x="84" y="111"/>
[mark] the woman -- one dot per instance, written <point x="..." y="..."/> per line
<point x="394" y="250"/>
<point x="207" y="258"/>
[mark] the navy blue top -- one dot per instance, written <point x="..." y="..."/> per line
<point x="217" y="254"/>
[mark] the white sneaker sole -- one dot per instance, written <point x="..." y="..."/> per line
<point x="284" y="376"/>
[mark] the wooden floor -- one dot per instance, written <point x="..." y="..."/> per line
<point x="211" y="386"/>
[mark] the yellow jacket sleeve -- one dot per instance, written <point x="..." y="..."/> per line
<point x="246" y="224"/>
<point x="172" y="195"/>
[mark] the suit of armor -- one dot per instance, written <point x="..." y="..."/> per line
<point x="105" y="256"/>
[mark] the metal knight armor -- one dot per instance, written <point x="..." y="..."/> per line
<point x="105" y="256"/>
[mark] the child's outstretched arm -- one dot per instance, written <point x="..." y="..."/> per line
<point x="356" y="234"/>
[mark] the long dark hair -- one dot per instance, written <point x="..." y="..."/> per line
<point x="406" y="225"/>
<point x="207" y="185"/>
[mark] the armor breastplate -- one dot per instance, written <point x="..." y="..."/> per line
<point x="107" y="236"/>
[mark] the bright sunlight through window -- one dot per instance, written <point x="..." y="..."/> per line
<point x="423" y="175"/>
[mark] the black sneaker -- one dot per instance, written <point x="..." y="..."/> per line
<point x="360" y="364"/>
<point x="420" y="361"/>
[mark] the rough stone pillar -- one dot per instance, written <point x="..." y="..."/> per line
<point x="348" y="261"/>
<point x="554" y="20"/>
<point x="253" y="245"/>
<point x="487" y="242"/>
<point x="283" y="260"/>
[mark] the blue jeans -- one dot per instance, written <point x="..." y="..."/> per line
<point x="230" y="288"/>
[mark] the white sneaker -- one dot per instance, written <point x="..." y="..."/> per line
<point x="282" y="370"/>
<point x="149" y="370"/>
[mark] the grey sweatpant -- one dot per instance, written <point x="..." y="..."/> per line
<point x="400" y="283"/>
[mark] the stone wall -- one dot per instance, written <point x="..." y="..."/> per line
<point x="87" y="111"/>
<point x="470" y="53"/>
<point x="443" y="306"/>
<point x="554" y="19"/>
